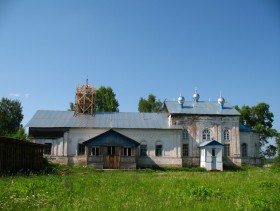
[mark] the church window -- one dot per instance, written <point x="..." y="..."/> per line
<point x="126" y="151"/>
<point x="158" y="150"/>
<point x="206" y="135"/>
<point x="185" y="150"/>
<point x="185" y="134"/>
<point x="48" y="149"/>
<point x="227" y="150"/>
<point x="95" y="151"/>
<point x="244" y="150"/>
<point x="143" y="150"/>
<point x="226" y="135"/>
<point x="81" y="149"/>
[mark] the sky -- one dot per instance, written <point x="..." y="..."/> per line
<point x="160" y="47"/>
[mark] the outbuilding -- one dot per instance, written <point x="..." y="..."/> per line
<point x="211" y="155"/>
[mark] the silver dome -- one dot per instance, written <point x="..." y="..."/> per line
<point x="196" y="96"/>
<point x="221" y="100"/>
<point x="181" y="99"/>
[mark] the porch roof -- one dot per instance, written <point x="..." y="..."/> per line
<point x="210" y="143"/>
<point x="111" y="138"/>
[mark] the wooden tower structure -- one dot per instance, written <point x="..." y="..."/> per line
<point x="85" y="99"/>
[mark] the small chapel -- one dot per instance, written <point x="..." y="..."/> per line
<point x="183" y="134"/>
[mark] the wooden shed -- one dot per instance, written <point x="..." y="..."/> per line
<point x="18" y="155"/>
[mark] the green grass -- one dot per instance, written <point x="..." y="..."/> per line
<point x="74" y="188"/>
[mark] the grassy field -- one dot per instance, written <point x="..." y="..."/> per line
<point x="73" y="188"/>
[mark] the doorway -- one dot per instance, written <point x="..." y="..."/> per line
<point x="214" y="159"/>
<point x="112" y="156"/>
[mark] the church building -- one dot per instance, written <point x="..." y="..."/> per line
<point x="185" y="133"/>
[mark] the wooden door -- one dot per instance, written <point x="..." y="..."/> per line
<point x="112" y="155"/>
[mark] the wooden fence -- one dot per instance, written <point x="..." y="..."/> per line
<point x="17" y="155"/>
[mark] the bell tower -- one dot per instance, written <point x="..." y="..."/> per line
<point x="85" y="99"/>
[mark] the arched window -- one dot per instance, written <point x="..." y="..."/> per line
<point x="244" y="150"/>
<point x="185" y="134"/>
<point x="226" y="135"/>
<point x="206" y="135"/>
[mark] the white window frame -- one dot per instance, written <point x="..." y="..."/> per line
<point x="127" y="151"/>
<point x="206" y="134"/>
<point x="226" y="135"/>
<point x="95" y="151"/>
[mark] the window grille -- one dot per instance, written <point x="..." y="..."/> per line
<point x="227" y="150"/>
<point x="185" y="150"/>
<point x="226" y="135"/>
<point x="206" y="135"/>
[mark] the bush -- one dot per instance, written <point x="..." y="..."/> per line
<point x="276" y="163"/>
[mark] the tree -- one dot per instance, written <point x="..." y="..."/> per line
<point x="72" y="107"/>
<point x="20" y="134"/>
<point x="105" y="100"/>
<point x="149" y="105"/>
<point x="10" y="116"/>
<point x="260" y="119"/>
<point x="270" y="151"/>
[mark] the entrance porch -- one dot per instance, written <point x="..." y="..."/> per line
<point x="111" y="150"/>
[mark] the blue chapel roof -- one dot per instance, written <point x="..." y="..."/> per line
<point x="245" y="128"/>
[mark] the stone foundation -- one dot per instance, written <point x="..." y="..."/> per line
<point x="57" y="159"/>
<point x="190" y="161"/>
<point x="251" y="161"/>
<point x="77" y="160"/>
<point x="151" y="162"/>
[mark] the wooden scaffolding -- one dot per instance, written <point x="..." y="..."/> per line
<point x="85" y="99"/>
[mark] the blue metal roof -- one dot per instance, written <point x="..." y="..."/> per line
<point x="245" y="129"/>
<point x="201" y="107"/>
<point x="66" y="119"/>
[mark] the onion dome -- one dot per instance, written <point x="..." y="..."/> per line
<point x="181" y="101"/>
<point x="196" y="96"/>
<point x="221" y="101"/>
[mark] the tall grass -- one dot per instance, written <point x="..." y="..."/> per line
<point x="74" y="188"/>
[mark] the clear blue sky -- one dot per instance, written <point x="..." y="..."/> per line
<point x="139" y="47"/>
